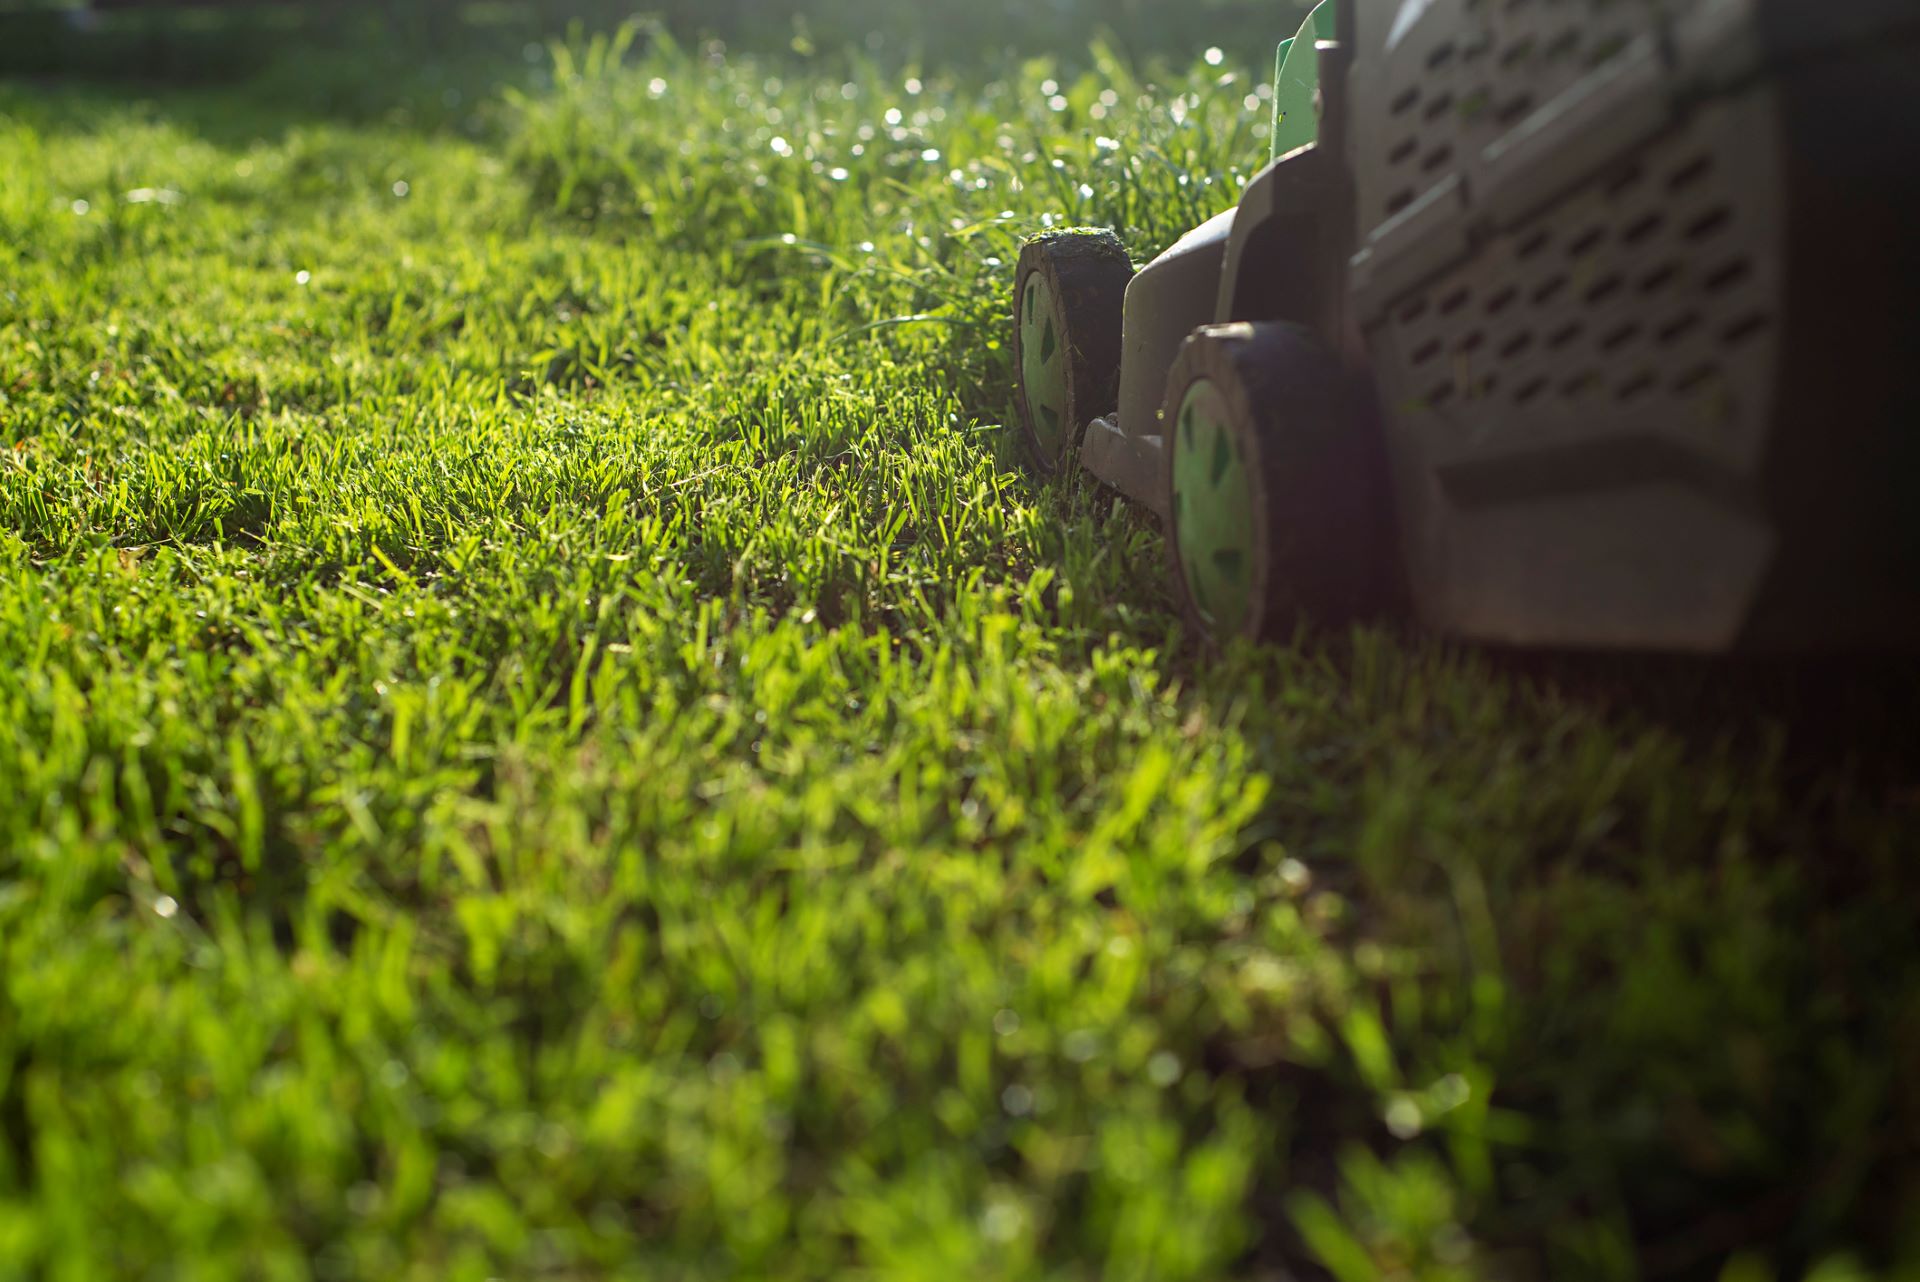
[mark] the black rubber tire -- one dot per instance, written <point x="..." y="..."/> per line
<point x="1322" y="512"/>
<point x="1088" y="272"/>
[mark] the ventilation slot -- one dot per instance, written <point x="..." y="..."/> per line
<point x="1619" y="338"/>
<point x="1741" y="330"/>
<point x="1709" y="224"/>
<point x="1679" y="328"/>
<point x="1694" y="378"/>
<point x="1690" y="174"/>
<point x="1624" y="181"/>
<point x="1579" y="385"/>
<point x="1659" y="278"/>
<point x="1406" y="102"/>
<point x="1643" y="229"/>
<point x="1606" y="289"/>
<point x="1639" y="385"/>
<point x="1734" y="273"/>
<point x="1516" y="110"/>
<point x="1588" y="242"/>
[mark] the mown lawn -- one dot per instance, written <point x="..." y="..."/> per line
<point x="545" y="733"/>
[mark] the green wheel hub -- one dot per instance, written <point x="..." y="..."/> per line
<point x="1043" y="365"/>
<point x="1213" y="509"/>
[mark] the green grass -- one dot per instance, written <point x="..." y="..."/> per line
<point x="546" y="734"/>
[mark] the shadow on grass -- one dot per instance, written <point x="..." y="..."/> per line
<point x="1667" y="909"/>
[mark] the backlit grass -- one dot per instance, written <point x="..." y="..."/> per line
<point x="546" y="734"/>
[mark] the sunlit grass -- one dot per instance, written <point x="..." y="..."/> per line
<point x="548" y="735"/>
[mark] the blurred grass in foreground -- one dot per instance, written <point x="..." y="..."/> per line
<point x="547" y="735"/>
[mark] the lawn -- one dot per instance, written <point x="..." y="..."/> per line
<point x="546" y="733"/>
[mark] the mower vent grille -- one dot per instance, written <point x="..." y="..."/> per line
<point x="1646" y="298"/>
<point x="1458" y="86"/>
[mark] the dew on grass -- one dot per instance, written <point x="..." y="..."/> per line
<point x="1006" y="1023"/>
<point x="1265" y="974"/>
<point x="1450" y="1092"/>
<point x="1163" y="1069"/>
<point x="1081" y="1045"/>
<point x="1002" y="1222"/>
<point x="553" y="1140"/>
<point x="166" y="906"/>
<point x="1017" y="1100"/>
<point x="1403" y="1118"/>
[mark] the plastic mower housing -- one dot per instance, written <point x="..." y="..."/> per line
<point x="1578" y="323"/>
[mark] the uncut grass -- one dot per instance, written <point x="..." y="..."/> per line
<point x="549" y="734"/>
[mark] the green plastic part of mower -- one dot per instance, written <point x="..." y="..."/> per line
<point x="1213" y="510"/>
<point x="1296" y="82"/>
<point x="1043" y="363"/>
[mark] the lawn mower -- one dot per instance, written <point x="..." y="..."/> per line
<point x="1591" y="324"/>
